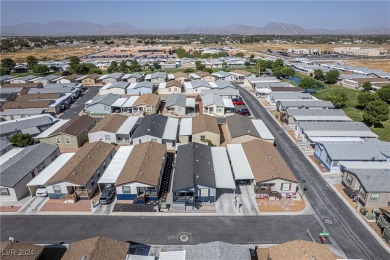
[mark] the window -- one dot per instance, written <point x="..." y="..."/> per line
<point x="349" y="179"/>
<point x="126" y="189"/>
<point x="285" y="186"/>
<point x="362" y="193"/>
<point x="374" y="197"/>
<point x="4" y="192"/>
<point x="58" y="140"/>
<point x="107" y="138"/>
<point x="219" y="109"/>
<point x="211" y="109"/>
<point x="154" y="140"/>
<point x="67" y="139"/>
<point x="169" y="90"/>
<point x="57" y="189"/>
<point x="149" y="109"/>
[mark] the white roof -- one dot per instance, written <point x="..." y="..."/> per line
<point x="223" y="172"/>
<point x="119" y="102"/>
<point x="162" y="85"/>
<point x="336" y="139"/>
<point x="140" y="257"/>
<point x="322" y="118"/>
<point x="318" y="133"/>
<point x="195" y="76"/>
<point x="228" y="102"/>
<point x="190" y="102"/>
<point x="116" y="165"/>
<point x="130" y="101"/>
<point x="8" y="155"/>
<point x="171" y="76"/>
<point x="126" y="127"/>
<point x="366" y="165"/>
<point x="263" y="90"/>
<point x="262" y="129"/>
<point x="50" y="170"/>
<point x="240" y="164"/>
<point x="106" y="86"/>
<point x="53" y="128"/>
<point x="173" y="255"/>
<point x="185" y="126"/>
<point x="170" y="132"/>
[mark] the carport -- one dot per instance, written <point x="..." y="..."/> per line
<point x="48" y="172"/>
<point x="241" y="168"/>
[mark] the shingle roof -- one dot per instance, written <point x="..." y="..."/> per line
<point x="149" y="99"/>
<point x="20" y="247"/>
<point x="373" y="180"/>
<point x="203" y="123"/>
<point x="144" y="164"/>
<point x="180" y="74"/>
<point x="176" y="100"/>
<point x="221" y="84"/>
<point x="266" y="162"/>
<point x="81" y="167"/>
<point x="97" y="248"/>
<point x="153" y="125"/>
<point x="107" y="99"/>
<point x="202" y="74"/>
<point x="27" y="104"/>
<point x="143" y="84"/>
<point x="4" y="144"/>
<point x="194" y="166"/>
<point x="22" y="85"/>
<point x="72" y="76"/>
<point x="28" y="97"/>
<point x="217" y="251"/>
<point x="93" y="76"/>
<point x="242" y="72"/>
<point x="158" y="75"/>
<point x="212" y="99"/>
<point x="110" y="123"/>
<point x="199" y="83"/>
<point x="35" y="121"/>
<point x="333" y="126"/>
<point x="120" y="84"/>
<point x="306" y="104"/>
<point x="239" y="125"/>
<point x="173" y="83"/>
<point x="16" y="168"/>
<point x="75" y="126"/>
<point x="300" y="250"/>
<point x="315" y="112"/>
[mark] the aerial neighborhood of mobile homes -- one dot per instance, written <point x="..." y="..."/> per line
<point x="183" y="143"/>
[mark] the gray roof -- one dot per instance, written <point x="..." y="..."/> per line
<point x="222" y="92"/>
<point x="290" y="95"/>
<point x="222" y="73"/>
<point x="194" y="166"/>
<point x="158" y="75"/>
<point x="333" y="126"/>
<point x="199" y="83"/>
<point x="211" y="99"/>
<point x="28" y="77"/>
<point x="176" y="99"/>
<point x="26" y="111"/>
<point x="26" y="123"/>
<point x="153" y="125"/>
<point x="241" y="125"/>
<point x="358" y="151"/>
<point x="107" y="99"/>
<point x="10" y="90"/>
<point x="48" y="90"/>
<point x="217" y="251"/>
<point x="6" y="77"/>
<point x="272" y="84"/>
<point x="16" y="168"/>
<point x="61" y="85"/>
<point x="221" y="84"/>
<point x="373" y="180"/>
<point x="143" y="84"/>
<point x="315" y="112"/>
<point x="119" y="84"/>
<point x="116" y="75"/>
<point x="51" y="77"/>
<point x="4" y="145"/>
<point x="305" y="104"/>
<point x="132" y="75"/>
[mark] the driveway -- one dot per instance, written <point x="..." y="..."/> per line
<point x="247" y="199"/>
<point x="33" y="205"/>
<point x="79" y="105"/>
<point x="226" y="202"/>
<point x="103" y="209"/>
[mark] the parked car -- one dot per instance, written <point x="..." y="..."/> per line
<point x="41" y="191"/>
<point x="107" y="196"/>
<point x="238" y="102"/>
<point x="244" y="112"/>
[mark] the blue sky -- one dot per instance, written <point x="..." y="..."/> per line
<point x="163" y="14"/>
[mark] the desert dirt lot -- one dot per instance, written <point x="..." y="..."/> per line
<point x="377" y="64"/>
<point x="286" y="46"/>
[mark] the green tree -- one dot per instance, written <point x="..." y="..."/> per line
<point x="8" y="63"/>
<point x="367" y="86"/>
<point x="95" y="71"/>
<point x="365" y="97"/>
<point x="41" y="69"/>
<point x="4" y="71"/>
<point x="156" y="65"/>
<point x="277" y="72"/>
<point x="287" y="72"/>
<point x="247" y="64"/>
<point x="113" y="67"/>
<point x="22" y="140"/>
<point x="278" y="63"/>
<point x="319" y="74"/>
<point x="332" y="76"/>
<point x="31" y="62"/>
<point x="199" y="65"/>
<point x="123" y="66"/>
<point x="376" y="111"/>
<point x="181" y="53"/>
<point x="240" y="54"/>
<point x="384" y="93"/>
<point x="338" y="99"/>
<point x="224" y="64"/>
<point x="74" y="64"/>
<point x="307" y="82"/>
<point x="259" y="67"/>
<point x="134" y="66"/>
<point x="189" y="71"/>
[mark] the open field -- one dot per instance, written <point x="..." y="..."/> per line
<point x="377" y="64"/>
<point x="286" y="46"/>
<point x="351" y="110"/>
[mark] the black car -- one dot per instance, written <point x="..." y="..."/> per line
<point x="244" y="112"/>
<point x="107" y="195"/>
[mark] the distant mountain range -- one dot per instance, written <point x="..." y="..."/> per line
<point x="86" y="28"/>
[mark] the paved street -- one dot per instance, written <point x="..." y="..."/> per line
<point x="345" y="229"/>
<point x="160" y="230"/>
<point x="79" y="105"/>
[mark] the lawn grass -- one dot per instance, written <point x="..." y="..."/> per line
<point x="351" y="110"/>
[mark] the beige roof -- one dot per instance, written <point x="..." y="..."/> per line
<point x="27" y="97"/>
<point x="301" y="250"/>
<point x="173" y="83"/>
<point x="180" y="74"/>
<point x="266" y="162"/>
<point x="72" y="76"/>
<point x="202" y="74"/>
<point x="20" y="247"/>
<point x="144" y="164"/>
<point x="97" y="248"/>
<point x="147" y="99"/>
<point x="81" y="167"/>
<point x="22" y="85"/>
<point x="372" y="80"/>
<point x="75" y="126"/>
<point x="203" y="123"/>
<point x="242" y="72"/>
<point x="26" y="104"/>
<point x="109" y="123"/>
<point x="92" y="76"/>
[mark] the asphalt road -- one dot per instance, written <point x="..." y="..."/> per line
<point x="348" y="232"/>
<point x="156" y="230"/>
<point x="79" y="105"/>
